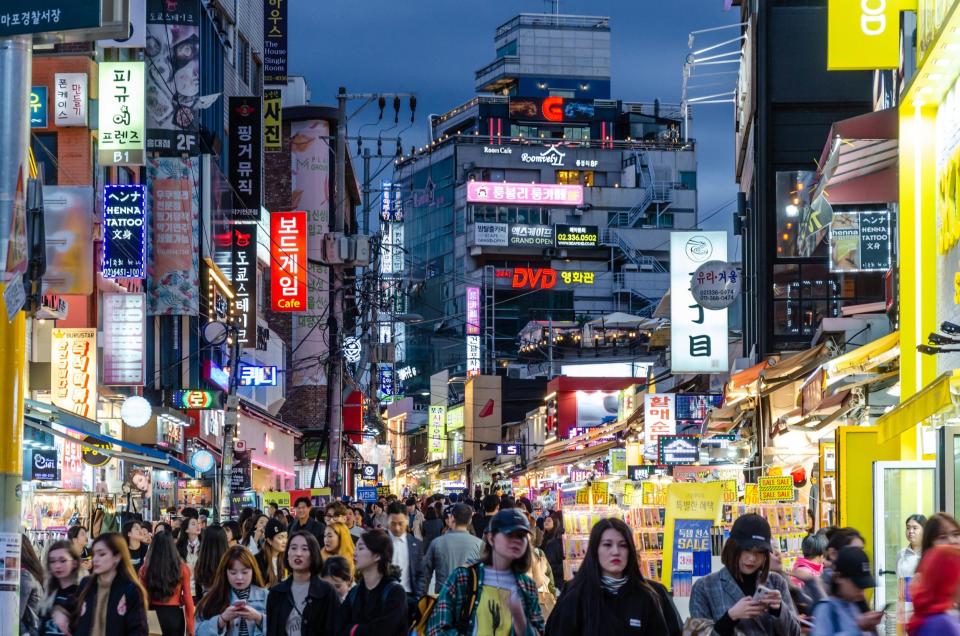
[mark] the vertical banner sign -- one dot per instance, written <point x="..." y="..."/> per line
<point x="124" y="338"/>
<point x="863" y="36"/>
<point x="275" y="42"/>
<point x="121" y="114"/>
<point x="659" y="418"/>
<point x="38" y="107"/>
<point x="288" y="260"/>
<point x="173" y="62"/>
<point x="691" y="511"/>
<point x="245" y="118"/>
<point x="473" y="331"/>
<point x="243" y="275"/>
<point x="173" y="257"/>
<point x="698" y="337"/>
<point x="70" y="99"/>
<point x="68" y="211"/>
<point x="124" y="232"/>
<point x="73" y="370"/>
<point x="272" y="120"/>
<point x="241" y="472"/>
<point x="437" y="433"/>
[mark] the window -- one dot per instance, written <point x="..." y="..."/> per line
<point x="688" y="179"/>
<point x="579" y="133"/>
<point x="568" y="177"/>
<point x="44" y="147"/>
<point x="257" y="77"/>
<point x="510" y="48"/>
<point x="805" y="294"/>
<point x="792" y="194"/>
<point x="243" y="60"/>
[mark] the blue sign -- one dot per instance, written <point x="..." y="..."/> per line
<point x="367" y="494"/>
<point x="124" y="228"/>
<point x="258" y="376"/>
<point x="38" y="107"/>
<point x="202" y="460"/>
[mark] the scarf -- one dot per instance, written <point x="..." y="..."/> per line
<point x="242" y="628"/>
<point x="612" y="585"/>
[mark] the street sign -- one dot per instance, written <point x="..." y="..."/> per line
<point x="508" y="449"/>
<point x="195" y="399"/>
<point x="369" y="472"/>
<point x="367" y="494"/>
<point x="42" y="16"/>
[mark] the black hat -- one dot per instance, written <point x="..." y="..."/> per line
<point x="854" y="564"/>
<point x="507" y="521"/>
<point x="273" y="528"/>
<point x="751" y="532"/>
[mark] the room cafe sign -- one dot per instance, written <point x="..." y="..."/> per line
<point x="552" y="156"/>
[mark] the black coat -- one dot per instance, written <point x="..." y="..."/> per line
<point x="432" y="528"/>
<point x="381" y="611"/>
<point x="126" y="611"/>
<point x="319" y="615"/>
<point x="415" y="559"/>
<point x="312" y="526"/>
<point x="553" y="550"/>
<point x="630" y="612"/>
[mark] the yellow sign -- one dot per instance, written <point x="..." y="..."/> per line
<point x="775" y="488"/>
<point x="751" y="494"/>
<point x="729" y="487"/>
<point x="688" y="501"/>
<point x="282" y="499"/>
<point x="272" y="120"/>
<point x="863" y="34"/>
<point x="597" y="493"/>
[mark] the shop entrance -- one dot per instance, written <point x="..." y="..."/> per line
<point x="948" y="469"/>
<point x="900" y="489"/>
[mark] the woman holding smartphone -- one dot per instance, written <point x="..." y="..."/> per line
<point x="236" y="603"/>
<point x="840" y="613"/>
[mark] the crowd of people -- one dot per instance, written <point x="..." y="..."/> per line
<point x="443" y="567"/>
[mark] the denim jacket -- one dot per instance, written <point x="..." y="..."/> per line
<point x="257" y="600"/>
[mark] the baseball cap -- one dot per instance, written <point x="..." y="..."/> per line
<point x="273" y="528"/>
<point x="854" y="564"/>
<point x="751" y="532"/>
<point x="507" y="521"/>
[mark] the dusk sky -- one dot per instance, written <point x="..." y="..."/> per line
<point x="433" y="47"/>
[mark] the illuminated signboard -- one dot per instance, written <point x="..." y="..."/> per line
<point x="553" y="108"/>
<point x="691" y="411"/>
<point x="124" y="232"/>
<point x="659" y="418"/>
<point x="288" y="247"/>
<point x="508" y="449"/>
<point x="38" y="107"/>
<point x="121" y="114"/>
<point x="73" y="370"/>
<point x="258" y="376"/>
<point x="863" y="35"/>
<point x="272" y="120"/>
<point x="245" y="119"/>
<point x="437" y="432"/>
<point x="698" y="336"/>
<point x="577" y="235"/>
<point x="546" y="194"/>
<point x="678" y="450"/>
<point x="70" y="99"/>
<point x="531" y="235"/>
<point x="492" y="234"/>
<point x="124" y="338"/>
<point x="275" y="42"/>
<point x="195" y="399"/>
<point x="473" y="331"/>
<point x="860" y="241"/>
<point x="391" y="202"/>
<point x="544" y="277"/>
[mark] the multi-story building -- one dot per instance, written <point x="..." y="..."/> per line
<point x="540" y="199"/>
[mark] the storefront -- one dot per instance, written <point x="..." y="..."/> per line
<point x="269" y="443"/>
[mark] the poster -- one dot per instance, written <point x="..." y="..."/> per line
<point x="692" y="509"/>
<point x="245" y="120"/>
<point x="68" y="226"/>
<point x="282" y="499"/>
<point x="173" y="76"/>
<point x="241" y="473"/>
<point x="774" y="489"/>
<point x="173" y="203"/>
<point x="860" y="241"/>
<point x="124" y="338"/>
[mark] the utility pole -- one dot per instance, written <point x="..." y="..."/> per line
<point x="231" y="416"/>
<point x="15" y="73"/>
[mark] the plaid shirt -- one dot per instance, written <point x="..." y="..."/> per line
<point x="455" y="591"/>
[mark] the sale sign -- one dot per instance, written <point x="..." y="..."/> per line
<point x="288" y="251"/>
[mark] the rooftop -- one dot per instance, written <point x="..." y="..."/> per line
<point x="554" y="21"/>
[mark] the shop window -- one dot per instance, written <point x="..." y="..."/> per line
<point x="568" y="177"/>
<point x="688" y="179"/>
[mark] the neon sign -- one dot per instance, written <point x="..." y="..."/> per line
<point x="258" y="376"/>
<point x="543" y="277"/>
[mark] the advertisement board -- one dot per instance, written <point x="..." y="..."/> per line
<point x="596" y="408"/>
<point x="288" y="256"/>
<point x="68" y="226"/>
<point x="538" y="236"/>
<point x="275" y="42"/>
<point x="437" y="433"/>
<point x="552" y="108"/>
<point x="699" y="338"/>
<point x="391" y="202"/>
<point x="678" y="450"/>
<point x="691" y="411"/>
<point x="124" y="231"/>
<point x="860" y="241"/>
<point x="38" y="107"/>
<point x="472" y="329"/>
<point x="124" y="338"/>
<point x="272" y="120"/>
<point x="121" y="114"/>
<point x="691" y="512"/>
<point x="44" y="465"/>
<point x="245" y="118"/>
<point x="659" y="418"/>
<point x="863" y="35"/>
<point x="73" y="370"/>
<point x="577" y="235"/>
<point x="242" y="272"/>
<point x="546" y="194"/>
<point x="70" y="99"/>
<point x="491" y="234"/>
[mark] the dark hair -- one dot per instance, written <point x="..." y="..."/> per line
<point x="338" y="508"/>
<point x="190" y="513"/>
<point x="934" y="527"/>
<point x="217" y="597"/>
<point x="74" y="531"/>
<point x="430" y="514"/>
<point x="116" y="544"/>
<point x="305" y="500"/>
<point x="519" y="566"/>
<point x="337" y="567"/>
<point x="234" y="528"/>
<point x="245" y="514"/>
<point x="586" y="588"/>
<point x="380" y="542"/>
<point x="842" y="537"/>
<point x="507" y="502"/>
<point x="212" y="548"/>
<point x="524" y="503"/>
<point x="162" y="526"/>
<point x="411" y="501"/>
<point x="814" y="545"/>
<point x="182" y="537"/>
<point x="730" y="557"/>
<point x="490" y="504"/>
<point x="396" y="508"/>
<point x="63" y="544"/>
<point x="161" y="566"/>
<point x="29" y="560"/>
<point x="919" y="518"/>
<point x="316" y="559"/>
<point x="128" y="528"/>
<point x="276" y="506"/>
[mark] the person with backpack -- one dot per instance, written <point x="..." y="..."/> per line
<point x="840" y="614"/>
<point x="302" y="604"/>
<point x="377" y="605"/>
<point x="494" y="596"/>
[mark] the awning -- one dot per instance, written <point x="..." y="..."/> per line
<point x="934" y="398"/>
<point x="571" y="456"/>
<point x="793" y="367"/>
<point x="43" y="417"/>
<point x="829" y="409"/>
<point x="725" y="419"/>
<point x="745" y="378"/>
<point x="862" y="359"/>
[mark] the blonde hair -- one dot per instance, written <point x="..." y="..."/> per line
<point x="346" y="548"/>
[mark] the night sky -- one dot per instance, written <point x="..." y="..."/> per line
<point x="433" y="47"/>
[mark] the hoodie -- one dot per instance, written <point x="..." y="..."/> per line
<point x="805" y="565"/>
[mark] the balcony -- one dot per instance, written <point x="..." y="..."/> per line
<point x="506" y="67"/>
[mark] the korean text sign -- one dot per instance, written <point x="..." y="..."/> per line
<point x="70" y="99"/>
<point x="437" y="433"/>
<point x="288" y="247"/>
<point x="121" y="116"/>
<point x="524" y="193"/>
<point x="659" y="418"/>
<point x="124" y="338"/>
<point x="275" y="42"/>
<point x="698" y="336"/>
<point x="691" y="511"/>
<point x="124" y="232"/>
<point x="243" y="275"/>
<point x="245" y="147"/>
<point x="73" y="370"/>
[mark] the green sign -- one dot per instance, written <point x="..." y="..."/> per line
<point x="38" y="107"/>
<point x="122" y="111"/>
<point x="44" y="16"/>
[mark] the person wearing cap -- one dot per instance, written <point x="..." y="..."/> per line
<point x="729" y="596"/>
<point x="273" y="568"/>
<point x="505" y="600"/>
<point x="453" y="549"/>
<point x="840" y="613"/>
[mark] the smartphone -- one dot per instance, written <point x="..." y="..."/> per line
<point x="239" y="603"/>
<point x="805" y="622"/>
<point x="762" y="590"/>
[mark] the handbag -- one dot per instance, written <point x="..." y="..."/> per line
<point x="698" y="627"/>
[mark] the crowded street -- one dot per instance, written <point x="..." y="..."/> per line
<point x="440" y="318"/>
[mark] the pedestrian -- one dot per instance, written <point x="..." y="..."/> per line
<point x="493" y="596"/>
<point x="166" y="578"/>
<point x="491" y="504"/>
<point x="540" y="572"/>
<point x="415" y="518"/>
<point x="335" y="512"/>
<point x="31" y="587"/>
<point x="253" y="533"/>
<point x="232" y="528"/>
<point x="212" y="548"/>
<point x="841" y="613"/>
<point x="236" y="603"/>
<point x="936" y="593"/>
<point x="304" y="521"/>
<point x="907" y="560"/>
<point x="455" y="548"/>
<point x="337" y="542"/>
<point x="940" y="529"/>
<point x="552" y="547"/>
<point x="273" y="567"/>
<point x="78" y="536"/>
<point x="302" y="604"/>
<point x="111" y="598"/>
<point x="188" y="545"/>
<point x="609" y="596"/>
<point x="407" y="555"/>
<point x="433" y="524"/>
<point x="810" y="565"/>
<point x="63" y="584"/>
<point x="377" y="605"/>
<point x="338" y="572"/>
<point x="133" y="532"/>
<point x="729" y="596"/>
<point x="376" y="517"/>
<point x="353" y="524"/>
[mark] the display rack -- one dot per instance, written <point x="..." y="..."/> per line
<point x="577" y="522"/>
<point x="788" y="526"/>
<point x="647" y="523"/>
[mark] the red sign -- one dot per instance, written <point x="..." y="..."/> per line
<point x="288" y="253"/>
<point x="530" y="277"/>
<point x="552" y="108"/>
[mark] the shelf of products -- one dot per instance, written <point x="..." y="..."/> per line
<point x="647" y="523"/>
<point x="788" y="526"/>
<point x="577" y="522"/>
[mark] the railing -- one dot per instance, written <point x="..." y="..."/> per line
<point x="612" y="238"/>
<point x="553" y="20"/>
<point x="500" y="61"/>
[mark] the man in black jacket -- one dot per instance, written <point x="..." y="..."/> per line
<point x="318" y="614"/>
<point x="304" y="521"/>
<point x="491" y="504"/>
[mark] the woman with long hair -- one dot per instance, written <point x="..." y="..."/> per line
<point x="236" y="603"/>
<point x="302" y="604"/>
<point x="188" y="545"/>
<point x="729" y="597"/>
<point x="552" y="546"/>
<point x="31" y="577"/>
<point x="133" y="533"/>
<point x="253" y="533"/>
<point x="936" y="593"/>
<point x="112" y="595"/>
<point x="79" y="537"/>
<point x="273" y="567"/>
<point x="433" y="524"/>
<point x="377" y="605"/>
<point x="609" y="596"/>
<point x="213" y="546"/>
<point x="232" y="528"/>
<point x="63" y="584"/>
<point x="167" y="580"/>
<point x="337" y="542"/>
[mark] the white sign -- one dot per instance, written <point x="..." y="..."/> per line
<point x="473" y="356"/>
<point x="494" y="234"/>
<point x="437" y="432"/>
<point x="14" y="296"/>
<point x="551" y="157"/>
<point x="698" y="336"/>
<point x="121" y="114"/>
<point x="70" y="99"/>
<point x="351" y="349"/>
<point x="124" y="339"/>
<point x="716" y="284"/>
<point x="497" y="150"/>
<point x="659" y="418"/>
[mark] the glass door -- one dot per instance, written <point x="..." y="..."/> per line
<point x="948" y="469"/>
<point x="900" y="489"/>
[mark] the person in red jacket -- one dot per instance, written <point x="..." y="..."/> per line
<point x="166" y="577"/>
